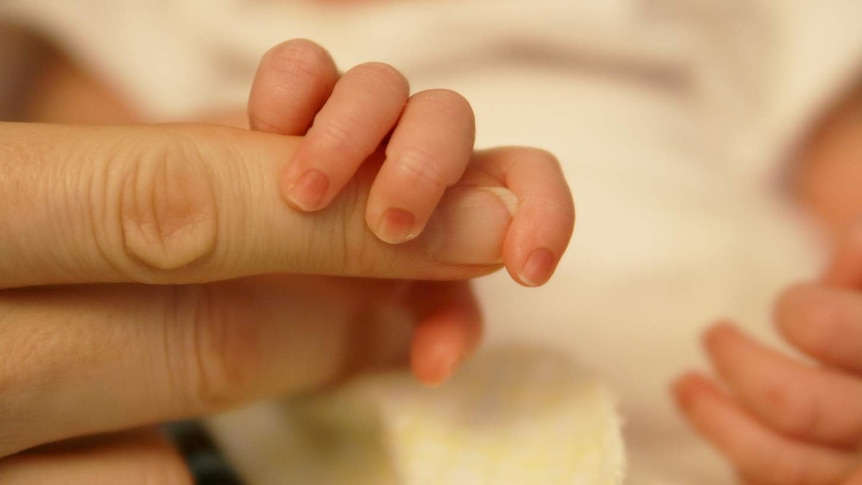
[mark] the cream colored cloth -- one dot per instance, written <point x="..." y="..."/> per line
<point x="670" y="119"/>
<point x="512" y="416"/>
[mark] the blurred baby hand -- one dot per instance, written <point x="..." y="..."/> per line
<point x="784" y="420"/>
<point x="428" y="143"/>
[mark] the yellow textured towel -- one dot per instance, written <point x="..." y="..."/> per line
<point x="514" y="416"/>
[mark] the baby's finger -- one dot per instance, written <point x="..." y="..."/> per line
<point x="545" y="216"/>
<point x="293" y="81"/>
<point x="427" y="153"/>
<point x="760" y="454"/>
<point x="823" y="322"/>
<point x="364" y="106"/>
<point x="448" y="329"/>
<point x="814" y="404"/>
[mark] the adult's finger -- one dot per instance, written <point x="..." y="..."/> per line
<point x="545" y="215"/>
<point x="760" y="454"/>
<point x="823" y="322"/>
<point x="80" y="360"/>
<point x="136" y="457"/>
<point x="814" y="404"/>
<point x="293" y="81"/>
<point x="427" y="153"/>
<point x="364" y="106"/>
<point x="192" y="203"/>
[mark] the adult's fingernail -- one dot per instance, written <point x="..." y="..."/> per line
<point x="470" y="225"/>
<point x="308" y="191"/>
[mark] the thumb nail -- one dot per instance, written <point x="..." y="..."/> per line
<point x="470" y="225"/>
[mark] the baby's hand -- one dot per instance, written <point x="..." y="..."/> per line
<point x="428" y="141"/>
<point x="783" y="420"/>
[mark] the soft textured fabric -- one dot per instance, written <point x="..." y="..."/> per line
<point x="671" y="118"/>
<point x="515" y="415"/>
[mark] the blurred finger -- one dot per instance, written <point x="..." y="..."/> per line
<point x="364" y="106"/>
<point x="141" y="456"/>
<point x="823" y="322"/>
<point x="427" y="153"/>
<point x="845" y="267"/>
<point x="448" y="329"/>
<point x="815" y="404"/>
<point x="545" y="216"/>
<point x="293" y="81"/>
<point x="760" y="454"/>
<point x="86" y="360"/>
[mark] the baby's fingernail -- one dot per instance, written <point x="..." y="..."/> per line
<point x="308" y="191"/>
<point x="538" y="268"/>
<point x="396" y="226"/>
<point x="470" y="225"/>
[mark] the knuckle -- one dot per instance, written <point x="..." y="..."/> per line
<point x="787" y="470"/>
<point x="796" y="413"/>
<point x="419" y="166"/>
<point x="217" y="358"/>
<point x="809" y="317"/>
<point x="450" y="103"/>
<point x="298" y="56"/>
<point x="383" y="77"/>
<point x="540" y="157"/>
<point x="167" y="210"/>
<point x="340" y="136"/>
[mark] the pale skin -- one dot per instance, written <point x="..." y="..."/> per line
<point x="158" y="272"/>
<point x="785" y="419"/>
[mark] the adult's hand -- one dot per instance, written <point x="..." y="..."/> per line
<point x="154" y="272"/>
<point x="167" y="205"/>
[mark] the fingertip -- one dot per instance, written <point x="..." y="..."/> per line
<point x="688" y="388"/>
<point x="543" y="227"/>
<point x="538" y="268"/>
<point x="293" y="80"/>
<point x="535" y="244"/>
<point x="434" y="359"/>
<point x="718" y="334"/>
<point x="447" y="334"/>
<point x="307" y="191"/>
<point x="395" y="226"/>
